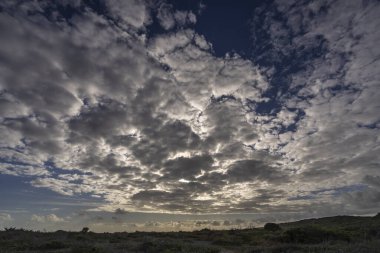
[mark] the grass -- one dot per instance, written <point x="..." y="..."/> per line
<point x="326" y="235"/>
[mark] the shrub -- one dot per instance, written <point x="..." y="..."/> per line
<point x="272" y="227"/>
<point x="312" y="235"/>
<point x="53" y="245"/>
<point x="151" y="247"/>
<point x="86" y="249"/>
<point x="374" y="232"/>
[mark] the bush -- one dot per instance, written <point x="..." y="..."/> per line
<point x="150" y="247"/>
<point x="374" y="232"/>
<point x="86" y="249"/>
<point x="272" y="227"/>
<point x="53" y="245"/>
<point x="312" y="235"/>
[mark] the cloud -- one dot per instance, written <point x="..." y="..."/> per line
<point x="165" y="16"/>
<point x="5" y="217"/>
<point x="248" y="170"/>
<point x="156" y="122"/>
<point x="186" y="168"/>
<point x="368" y="197"/>
<point x="46" y="218"/>
<point x="104" y="119"/>
<point x="169" y="18"/>
<point x="156" y="197"/>
<point x="135" y="13"/>
<point x="314" y="58"/>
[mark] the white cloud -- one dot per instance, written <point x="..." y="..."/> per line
<point x="165" y="16"/>
<point x="131" y="114"/>
<point x="169" y="18"/>
<point x="49" y="218"/>
<point x="135" y="13"/>
<point x="334" y="140"/>
<point x="5" y="217"/>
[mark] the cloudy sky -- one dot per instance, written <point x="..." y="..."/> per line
<point x="167" y="115"/>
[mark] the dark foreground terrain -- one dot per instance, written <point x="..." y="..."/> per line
<point x="332" y="234"/>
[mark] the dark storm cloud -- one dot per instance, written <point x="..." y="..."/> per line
<point x="186" y="168"/>
<point x="367" y="198"/>
<point x="251" y="170"/>
<point x="39" y="132"/>
<point x="102" y="120"/>
<point x="160" y="140"/>
<point x="196" y="188"/>
<point x="154" y="196"/>
<point x="364" y="200"/>
<point x="372" y="181"/>
<point x="320" y="173"/>
<point x="109" y="164"/>
<point x="262" y="201"/>
<point x="34" y="126"/>
<point x="214" y="179"/>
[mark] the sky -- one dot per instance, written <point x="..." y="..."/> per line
<point x="179" y="115"/>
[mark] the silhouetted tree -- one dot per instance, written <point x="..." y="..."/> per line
<point x="85" y="230"/>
